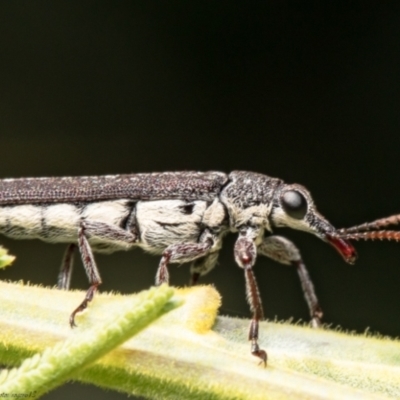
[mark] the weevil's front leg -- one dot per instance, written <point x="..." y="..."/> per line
<point x="181" y="253"/>
<point x="202" y="266"/>
<point x="245" y="255"/>
<point x="284" y="251"/>
<point x="64" y="277"/>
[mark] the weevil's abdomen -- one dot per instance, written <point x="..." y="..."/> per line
<point x="59" y="223"/>
<point x="21" y="222"/>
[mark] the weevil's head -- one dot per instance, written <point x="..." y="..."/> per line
<point x="253" y="199"/>
<point x="293" y="207"/>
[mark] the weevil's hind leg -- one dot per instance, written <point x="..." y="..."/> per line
<point x="91" y="271"/>
<point x="202" y="266"/>
<point x="64" y="276"/>
<point x="245" y="255"/>
<point x="180" y="253"/>
<point x="284" y="251"/>
<point x="102" y="231"/>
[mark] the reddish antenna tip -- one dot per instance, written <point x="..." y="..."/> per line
<point x="345" y="248"/>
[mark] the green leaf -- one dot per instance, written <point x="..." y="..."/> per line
<point x="60" y="362"/>
<point x="190" y="354"/>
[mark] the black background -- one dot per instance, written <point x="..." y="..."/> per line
<point x="307" y="93"/>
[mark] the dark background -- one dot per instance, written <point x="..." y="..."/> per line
<point x="310" y="94"/>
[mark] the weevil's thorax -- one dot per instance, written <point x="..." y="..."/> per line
<point x="248" y="197"/>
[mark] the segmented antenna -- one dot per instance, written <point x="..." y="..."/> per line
<point x="370" y="235"/>
<point x="372" y="230"/>
<point x="374" y="225"/>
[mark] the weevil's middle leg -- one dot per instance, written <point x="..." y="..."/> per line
<point x="180" y="253"/>
<point x="91" y="271"/>
<point x="64" y="276"/>
<point x="284" y="251"/>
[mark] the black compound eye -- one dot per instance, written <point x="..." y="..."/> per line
<point x="294" y="204"/>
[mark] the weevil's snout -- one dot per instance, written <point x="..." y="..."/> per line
<point x="344" y="247"/>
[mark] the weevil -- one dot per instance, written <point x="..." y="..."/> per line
<point x="182" y="216"/>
